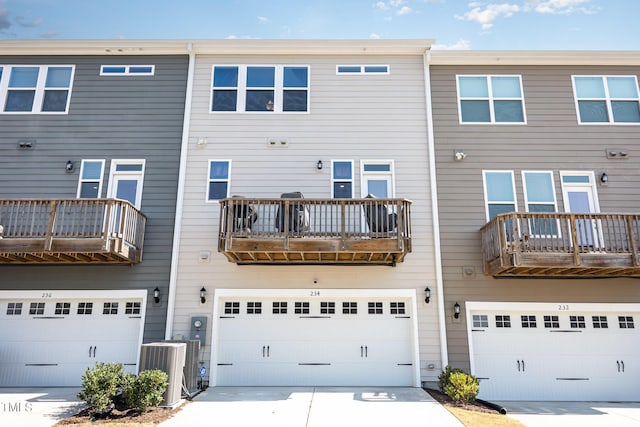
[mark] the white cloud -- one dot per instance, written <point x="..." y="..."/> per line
<point x="232" y="37"/>
<point x="490" y="13"/>
<point x="374" y="36"/>
<point x="558" y="6"/>
<point x="381" y="5"/>
<point x="397" y="3"/>
<point x="263" y="20"/>
<point x="459" y="45"/>
<point x="398" y="6"/>
<point x="404" y="10"/>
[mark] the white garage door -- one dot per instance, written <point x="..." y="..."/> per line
<point x="315" y="339"/>
<point x="556" y="351"/>
<point x="49" y="338"/>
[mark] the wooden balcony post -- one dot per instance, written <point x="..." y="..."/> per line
<point x="53" y="205"/>
<point x="632" y="240"/>
<point x="574" y="239"/>
<point x="343" y="228"/>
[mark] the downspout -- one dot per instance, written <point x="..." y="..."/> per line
<point x="175" y="252"/>
<point x="444" y="355"/>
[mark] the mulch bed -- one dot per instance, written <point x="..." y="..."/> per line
<point x="152" y="415"/>
<point x="447" y="401"/>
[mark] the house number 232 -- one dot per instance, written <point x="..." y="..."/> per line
<point x="563" y="307"/>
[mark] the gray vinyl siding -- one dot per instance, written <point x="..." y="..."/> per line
<point x="132" y="117"/>
<point x="551" y="140"/>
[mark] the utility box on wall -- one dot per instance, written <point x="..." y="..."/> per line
<point x="199" y="329"/>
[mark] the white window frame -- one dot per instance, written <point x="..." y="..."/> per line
<point x="607" y="99"/>
<point x="209" y="180"/>
<point x="554" y="204"/>
<point x="278" y="88"/>
<point x="333" y="180"/>
<point x="491" y="100"/>
<point x="39" y="89"/>
<point x="486" y="196"/>
<point x="591" y="185"/>
<point x="113" y="173"/>
<point x="81" y="180"/>
<point x="362" y="70"/>
<point x="390" y="173"/>
<point x="127" y="70"/>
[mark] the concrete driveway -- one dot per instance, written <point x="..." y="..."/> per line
<point x="43" y="407"/>
<point x="313" y="407"/>
<point x="575" y="414"/>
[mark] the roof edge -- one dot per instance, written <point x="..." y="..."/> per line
<point x="533" y="57"/>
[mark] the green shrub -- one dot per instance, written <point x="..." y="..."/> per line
<point x="144" y="390"/>
<point x="462" y="387"/>
<point x="100" y="385"/>
<point x="443" y="378"/>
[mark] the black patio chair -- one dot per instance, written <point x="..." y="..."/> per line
<point x="298" y="214"/>
<point x="380" y="218"/>
<point x="244" y="216"/>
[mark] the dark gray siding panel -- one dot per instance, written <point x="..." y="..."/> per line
<point x="552" y="140"/>
<point x="109" y="118"/>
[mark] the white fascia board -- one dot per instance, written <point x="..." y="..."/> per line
<point x="534" y="57"/>
<point x="318" y="292"/>
<point x="560" y="306"/>
<point x="48" y="294"/>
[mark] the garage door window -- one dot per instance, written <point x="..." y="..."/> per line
<point x="280" y="307"/>
<point x="349" y="308"/>
<point x="63" y="307"/>
<point x="480" y="321"/>
<point x="375" y="308"/>
<point x="14" y="309"/>
<point x="503" y="321"/>
<point x="254" y="307"/>
<point x="110" y="308"/>
<point x="85" y="307"/>
<point x="626" y="322"/>
<point x="231" y="307"/>
<point x="529" y="321"/>
<point x="301" y="307"/>
<point x="36" y="308"/>
<point x="327" y="307"/>
<point x="600" y="322"/>
<point x="577" y="322"/>
<point x="397" y="308"/>
<point x="132" y="308"/>
<point x="551" y="322"/>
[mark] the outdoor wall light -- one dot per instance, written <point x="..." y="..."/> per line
<point x="319" y="165"/>
<point x="156" y="295"/>
<point x="604" y="178"/>
<point x="69" y="166"/>
<point x="203" y="295"/>
<point x="459" y="156"/>
<point x="456" y="310"/>
<point x="427" y="295"/>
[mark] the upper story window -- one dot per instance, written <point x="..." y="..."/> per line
<point x="362" y="69"/>
<point x="490" y="99"/>
<point x="342" y="179"/>
<point x="500" y="192"/>
<point x="127" y="70"/>
<point x="540" y="196"/>
<point x="35" y="89"/>
<point x="218" y="179"/>
<point x="90" y="182"/>
<point x="260" y="88"/>
<point x="607" y="99"/>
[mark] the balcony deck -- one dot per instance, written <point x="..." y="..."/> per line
<point x="315" y="231"/>
<point x="562" y="245"/>
<point x="70" y="231"/>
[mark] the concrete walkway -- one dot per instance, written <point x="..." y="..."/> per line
<point x="38" y="407"/>
<point x="313" y="407"/>
<point x="575" y="414"/>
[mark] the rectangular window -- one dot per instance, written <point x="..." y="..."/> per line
<point x="577" y="322"/>
<point x="85" y="307"/>
<point x="218" y="179"/>
<point x="279" y="307"/>
<point x="327" y="307"/>
<point x="63" y="307"/>
<point x="599" y="322"/>
<point x="90" y="181"/>
<point x="110" y="308"/>
<point x="362" y="69"/>
<point x="540" y="197"/>
<point x="606" y="99"/>
<point x="500" y="192"/>
<point x="551" y="322"/>
<point x="14" y="309"/>
<point x="36" y="89"/>
<point x="529" y="321"/>
<point x="397" y="308"/>
<point x="232" y="307"/>
<point x="260" y="88"/>
<point x="36" y="308"/>
<point x="375" y="307"/>
<point x="127" y="70"/>
<point x="503" y="321"/>
<point x="490" y="99"/>
<point x="480" y="321"/>
<point x="254" y="307"/>
<point x="349" y="308"/>
<point x="342" y="179"/>
<point x="626" y="322"/>
<point x="132" y="308"/>
<point x="301" y="307"/>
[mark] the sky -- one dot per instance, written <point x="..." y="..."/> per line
<point x="453" y="24"/>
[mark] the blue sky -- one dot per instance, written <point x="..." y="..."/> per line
<point x="454" y="24"/>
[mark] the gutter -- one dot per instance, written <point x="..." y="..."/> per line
<point x="175" y="251"/>
<point x="444" y="355"/>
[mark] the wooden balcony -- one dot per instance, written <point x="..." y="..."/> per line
<point x="562" y="245"/>
<point x="73" y="231"/>
<point x="315" y="231"/>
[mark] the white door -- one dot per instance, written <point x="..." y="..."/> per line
<point x="126" y="181"/>
<point x="50" y="339"/>
<point x="555" y="352"/>
<point x="579" y="193"/>
<point x="315" y="341"/>
<point x="377" y="179"/>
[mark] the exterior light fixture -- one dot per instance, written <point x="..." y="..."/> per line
<point x="459" y="156"/>
<point x="156" y="295"/>
<point x="69" y="166"/>
<point x="427" y="295"/>
<point x="319" y="165"/>
<point x="604" y="178"/>
<point x="456" y="310"/>
<point x="203" y="295"/>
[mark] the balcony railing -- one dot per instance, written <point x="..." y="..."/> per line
<point x="562" y="245"/>
<point x="78" y="231"/>
<point x="315" y="231"/>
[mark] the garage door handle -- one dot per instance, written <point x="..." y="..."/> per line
<point x="361" y="351"/>
<point x="267" y="351"/>
<point x="518" y="366"/>
<point x="523" y="366"/>
<point x="94" y="350"/>
<point x="366" y="351"/>
<point x="91" y="348"/>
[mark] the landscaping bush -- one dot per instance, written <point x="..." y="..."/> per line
<point x="100" y="385"/>
<point x="443" y="378"/>
<point x="144" y="390"/>
<point x="462" y="387"/>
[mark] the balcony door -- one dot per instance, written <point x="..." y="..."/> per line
<point x="125" y="181"/>
<point x="580" y="197"/>
<point x="377" y="179"/>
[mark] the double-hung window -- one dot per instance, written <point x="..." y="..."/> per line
<point x="490" y="99"/>
<point x="218" y="179"/>
<point x="499" y="193"/>
<point x="539" y="196"/>
<point x="342" y="179"/>
<point x="35" y="89"/>
<point x="90" y="182"/>
<point x="607" y="99"/>
<point x="260" y="88"/>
